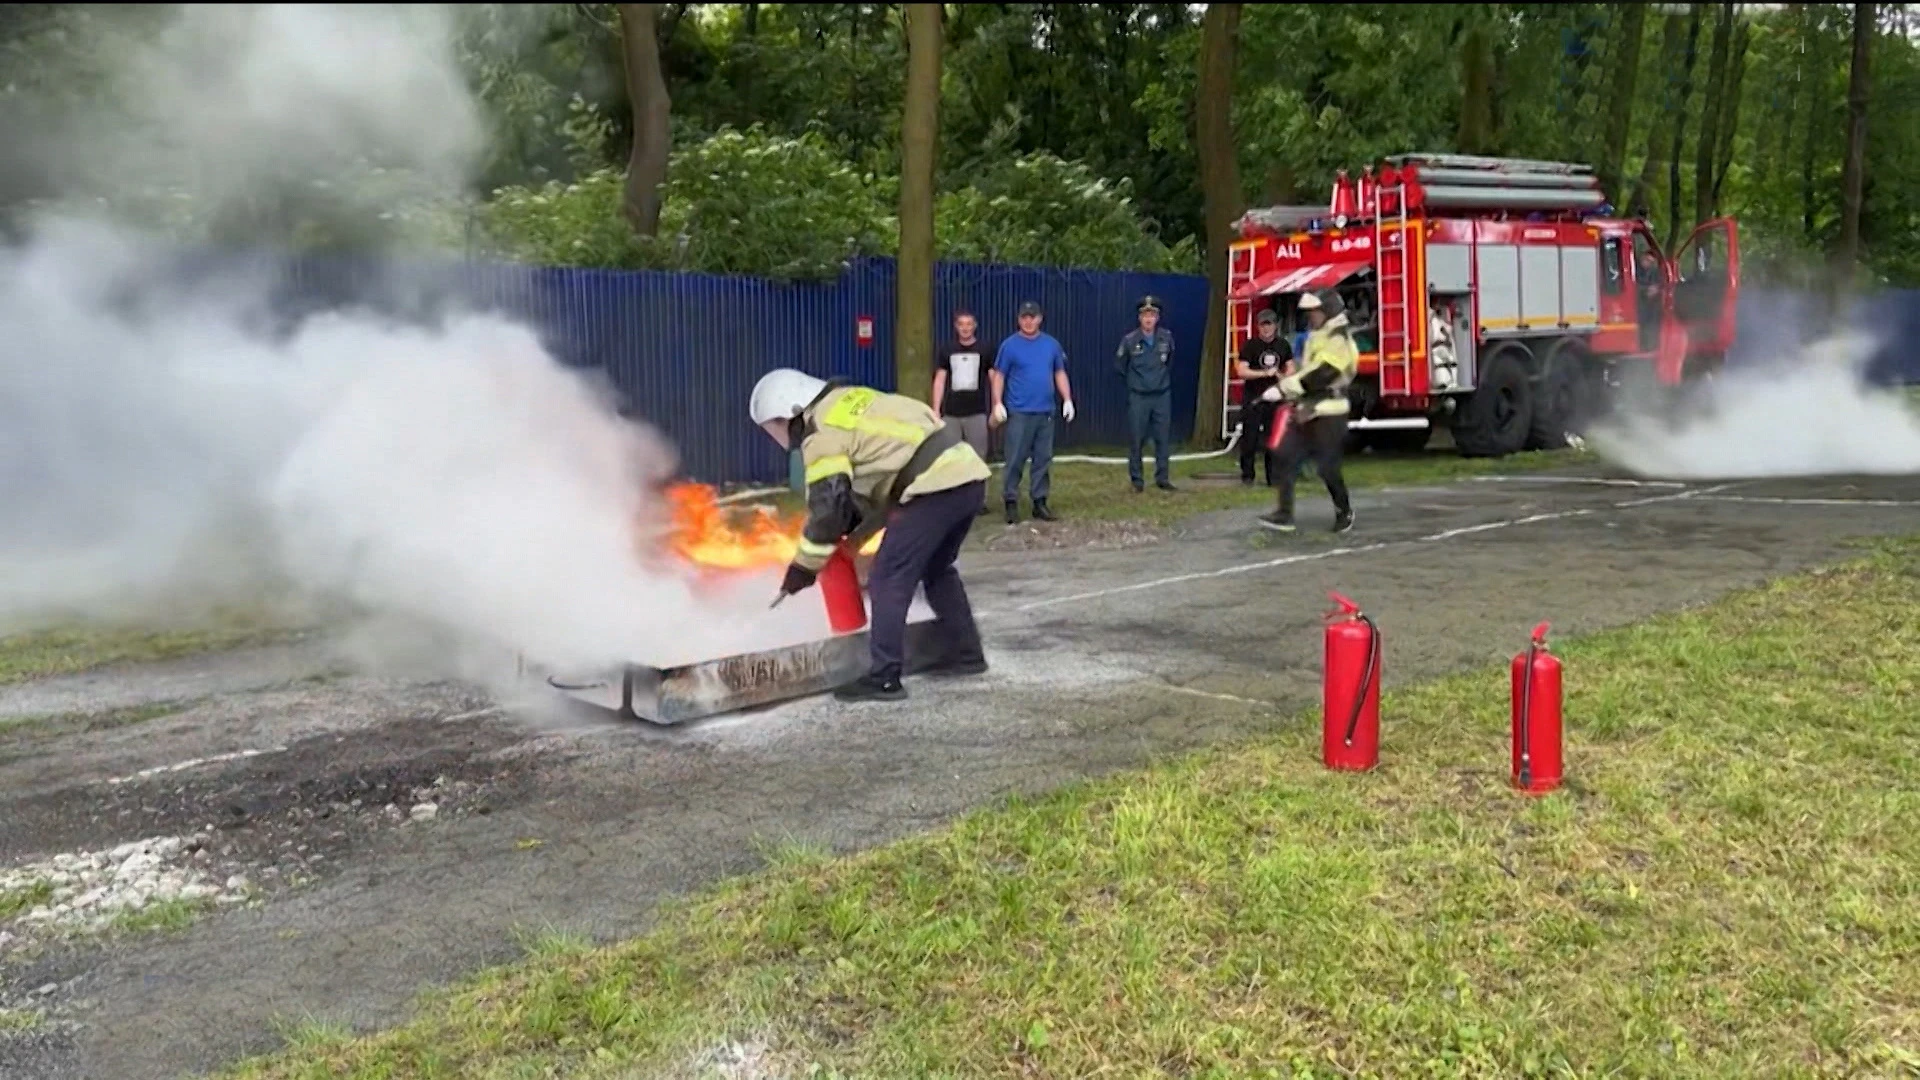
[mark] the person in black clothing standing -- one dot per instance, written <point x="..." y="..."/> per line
<point x="1263" y="360"/>
<point x="959" y="378"/>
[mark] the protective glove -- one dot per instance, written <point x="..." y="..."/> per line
<point x="999" y="414"/>
<point x="1066" y="410"/>
<point x="1290" y="386"/>
<point x="1272" y="394"/>
<point x="798" y="579"/>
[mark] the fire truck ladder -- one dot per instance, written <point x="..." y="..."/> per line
<point x="1396" y="297"/>
<point x="1240" y="266"/>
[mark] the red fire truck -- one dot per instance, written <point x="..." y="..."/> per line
<point x="1494" y="295"/>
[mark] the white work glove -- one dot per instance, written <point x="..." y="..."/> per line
<point x="1290" y="386"/>
<point x="999" y="414"/>
<point x="1066" y="410"/>
<point x="1272" y="394"/>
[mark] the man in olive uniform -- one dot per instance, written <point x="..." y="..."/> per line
<point x="876" y="460"/>
<point x="1328" y="362"/>
<point x="1145" y="360"/>
<point x="1263" y="360"/>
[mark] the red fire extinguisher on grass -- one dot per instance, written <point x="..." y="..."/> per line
<point x="1350" y="709"/>
<point x="1536" y="717"/>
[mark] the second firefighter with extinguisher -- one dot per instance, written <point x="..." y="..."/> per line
<point x="876" y="460"/>
<point x="1318" y="392"/>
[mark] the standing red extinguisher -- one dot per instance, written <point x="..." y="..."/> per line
<point x="1350" y="709"/>
<point x="1536" y="717"/>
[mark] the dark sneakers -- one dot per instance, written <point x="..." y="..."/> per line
<point x="1277" y="521"/>
<point x="1343" y="521"/>
<point x="869" y="688"/>
<point x="952" y="669"/>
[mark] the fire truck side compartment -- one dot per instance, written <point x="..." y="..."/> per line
<point x="1580" y="289"/>
<point x="1539" y="288"/>
<point x="1498" y="268"/>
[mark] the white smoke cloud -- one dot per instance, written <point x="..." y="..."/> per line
<point x="1793" y="411"/>
<point x="166" y="450"/>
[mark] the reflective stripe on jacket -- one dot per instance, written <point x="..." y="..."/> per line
<point x="857" y="441"/>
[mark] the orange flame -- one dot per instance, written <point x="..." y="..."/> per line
<point x="705" y="533"/>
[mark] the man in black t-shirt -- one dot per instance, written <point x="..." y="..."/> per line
<point x="959" y="383"/>
<point x="1263" y="360"/>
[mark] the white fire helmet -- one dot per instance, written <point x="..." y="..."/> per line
<point x="782" y="394"/>
<point x="1309" y="301"/>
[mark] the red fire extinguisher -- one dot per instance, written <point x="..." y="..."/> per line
<point x="1536" y="717"/>
<point x="1350" y="710"/>
<point x="1277" y="430"/>
<point x="840" y="588"/>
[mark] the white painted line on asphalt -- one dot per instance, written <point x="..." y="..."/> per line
<point x="195" y="763"/>
<point x="1774" y="501"/>
<point x="1216" y="697"/>
<point x="1593" y="480"/>
<point x="1334" y="553"/>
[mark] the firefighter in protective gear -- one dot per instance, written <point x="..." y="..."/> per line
<point x="875" y="460"/>
<point x="1318" y="390"/>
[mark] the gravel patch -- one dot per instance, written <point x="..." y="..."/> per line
<point x="93" y="890"/>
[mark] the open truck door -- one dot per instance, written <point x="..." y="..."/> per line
<point x="1707" y="294"/>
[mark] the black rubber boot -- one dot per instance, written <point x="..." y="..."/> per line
<point x="1013" y="513"/>
<point x="1041" y="511"/>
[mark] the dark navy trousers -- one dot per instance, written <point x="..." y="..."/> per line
<point x="922" y="541"/>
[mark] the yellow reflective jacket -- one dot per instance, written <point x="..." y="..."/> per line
<point x="1328" y="362"/>
<point x="856" y="443"/>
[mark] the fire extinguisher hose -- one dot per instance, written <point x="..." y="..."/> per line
<point x="1526" y="719"/>
<point x="1366" y="675"/>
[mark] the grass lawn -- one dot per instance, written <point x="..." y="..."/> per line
<point x="68" y="650"/>
<point x="1727" y="886"/>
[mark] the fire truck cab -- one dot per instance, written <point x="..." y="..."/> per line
<point x="1494" y="295"/>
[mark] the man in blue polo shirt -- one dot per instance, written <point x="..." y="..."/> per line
<point x="1030" y="367"/>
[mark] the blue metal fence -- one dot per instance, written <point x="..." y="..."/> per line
<point x="684" y="350"/>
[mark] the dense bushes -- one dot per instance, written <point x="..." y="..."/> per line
<point x="751" y="202"/>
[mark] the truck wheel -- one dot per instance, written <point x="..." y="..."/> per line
<point x="1495" y="419"/>
<point x="1558" y="394"/>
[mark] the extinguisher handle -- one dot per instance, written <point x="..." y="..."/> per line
<point x="1343" y="606"/>
<point x="1540" y="634"/>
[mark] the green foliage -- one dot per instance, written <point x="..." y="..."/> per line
<point x="740" y="202"/>
<point x="1039" y="210"/>
<point x="753" y="202"/>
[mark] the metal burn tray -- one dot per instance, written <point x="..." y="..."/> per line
<point x="675" y="695"/>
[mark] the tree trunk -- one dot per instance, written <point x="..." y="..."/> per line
<point x="1713" y="105"/>
<point x="1679" y="143"/>
<point x="1220" y="190"/>
<point x="1853" y="174"/>
<point x="1476" y="91"/>
<point x="1673" y="38"/>
<point x="919" y="141"/>
<point x="652" y="138"/>
<point x="1620" y="89"/>
<point x="1816" y="112"/>
<point x="1730" y="113"/>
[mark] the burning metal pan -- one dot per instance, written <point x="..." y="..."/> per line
<point x="666" y="696"/>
